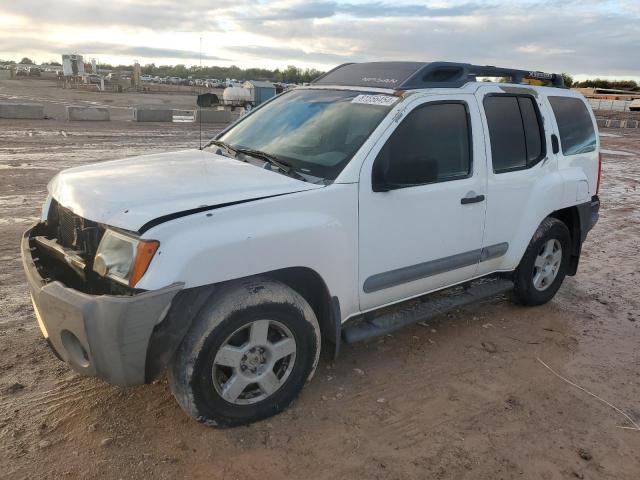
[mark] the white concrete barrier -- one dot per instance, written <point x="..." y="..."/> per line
<point x="31" y="111"/>
<point x="150" y="114"/>
<point x="89" y="114"/>
<point x="212" y="116"/>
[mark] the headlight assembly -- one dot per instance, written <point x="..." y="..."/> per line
<point x="123" y="258"/>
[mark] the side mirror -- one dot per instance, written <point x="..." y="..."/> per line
<point x="405" y="172"/>
<point x="555" y="145"/>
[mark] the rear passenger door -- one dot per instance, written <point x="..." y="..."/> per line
<point x="518" y="159"/>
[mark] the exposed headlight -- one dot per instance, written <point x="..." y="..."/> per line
<point x="123" y="258"/>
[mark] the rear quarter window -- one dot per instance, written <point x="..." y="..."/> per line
<point x="577" y="134"/>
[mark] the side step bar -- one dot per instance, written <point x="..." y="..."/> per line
<point x="396" y="319"/>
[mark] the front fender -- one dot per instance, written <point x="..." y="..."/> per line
<point x="316" y="229"/>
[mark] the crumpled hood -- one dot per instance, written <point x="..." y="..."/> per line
<point x="131" y="192"/>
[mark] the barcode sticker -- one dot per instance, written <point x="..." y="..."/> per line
<point x="382" y="100"/>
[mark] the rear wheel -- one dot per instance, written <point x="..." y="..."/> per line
<point x="247" y="355"/>
<point x="544" y="263"/>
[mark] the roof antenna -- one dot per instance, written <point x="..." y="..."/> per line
<point x="199" y="92"/>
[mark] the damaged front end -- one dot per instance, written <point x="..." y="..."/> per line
<point x="66" y="245"/>
<point x="100" y="326"/>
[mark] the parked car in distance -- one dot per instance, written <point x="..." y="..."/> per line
<point x="322" y="215"/>
<point x="94" y="79"/>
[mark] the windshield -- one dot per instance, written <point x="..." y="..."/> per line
<point x="315" y="131"/>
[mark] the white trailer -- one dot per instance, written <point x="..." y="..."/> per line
<point x="72" y="65"/>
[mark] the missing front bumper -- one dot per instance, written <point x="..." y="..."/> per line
<point x="106" y="336"/>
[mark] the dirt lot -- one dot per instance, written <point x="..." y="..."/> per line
<point x="462" y="397"/>
<point x="55" y="99"/>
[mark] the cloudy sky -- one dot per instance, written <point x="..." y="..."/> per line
<point x="581" y="37"/>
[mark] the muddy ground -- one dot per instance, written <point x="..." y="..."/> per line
<point x="463" y="396"/>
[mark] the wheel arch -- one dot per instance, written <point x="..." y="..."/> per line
<point x="305" y="281"/>
<point x="570" y="216"/>
<point x="311" y="286"/>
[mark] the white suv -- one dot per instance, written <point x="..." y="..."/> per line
<point x="377" y="184"/>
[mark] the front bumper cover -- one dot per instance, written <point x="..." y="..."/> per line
<point x="105" y="336"/>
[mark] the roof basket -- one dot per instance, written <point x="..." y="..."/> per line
<point x="413" y="75"/>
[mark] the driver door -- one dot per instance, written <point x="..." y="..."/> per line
<point x="422" y="202"/>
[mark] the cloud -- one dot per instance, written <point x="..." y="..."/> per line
<point x="572" y="39"/>
<point x="594" y="37"/>
<point x="99" y="48"/>
<point x="147" y="14"/>
<point x="381" y="10"/>
<point x="289" y="54"/>
<point x="142" y="51"/>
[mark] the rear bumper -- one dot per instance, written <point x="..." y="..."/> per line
<point x="98" y="335"/>
<point x="589" y="214"/>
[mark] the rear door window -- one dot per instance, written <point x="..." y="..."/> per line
<point x="515" y="131"/>
<point x="577" y="134"/>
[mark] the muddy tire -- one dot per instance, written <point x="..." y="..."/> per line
<point x="247" y="354"/>
<point x="544" y="264"/>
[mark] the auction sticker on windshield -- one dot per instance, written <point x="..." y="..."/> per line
<point x="382" y="100"/>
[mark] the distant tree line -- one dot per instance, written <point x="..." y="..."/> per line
<point x="569" y="82"/>
<point x="27" y="61"/>
<point x="291" y="74"/>
<point x="630" y="85"/>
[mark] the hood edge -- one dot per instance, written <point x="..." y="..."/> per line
<point x="185" y="213"/>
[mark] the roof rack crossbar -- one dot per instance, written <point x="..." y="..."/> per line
<point x="450" y="74"/>
<point x="413" y="75"/>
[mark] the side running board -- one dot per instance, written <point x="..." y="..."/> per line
<point x="417" y="312"/>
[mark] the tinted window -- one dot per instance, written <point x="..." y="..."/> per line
<point x="577" y="134"/>
<point x="532" y="134"/>
<point x="517" y="140"/>
<point x="430" y="145"/>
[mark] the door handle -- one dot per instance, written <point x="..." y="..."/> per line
<point x="476" y="199"/>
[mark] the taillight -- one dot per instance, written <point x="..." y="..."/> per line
<point x="599" y="172"/>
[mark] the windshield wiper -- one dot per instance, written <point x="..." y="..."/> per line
<point x="283" y="166"/>
<point x="227" y="148"/>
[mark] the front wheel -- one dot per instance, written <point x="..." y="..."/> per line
<point x="544" y="263"/>
<point x="247" y="355"/>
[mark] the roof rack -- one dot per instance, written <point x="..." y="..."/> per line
<point x="413" y="75"/>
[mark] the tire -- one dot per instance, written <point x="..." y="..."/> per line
<point x="228" y="346"/>
<point x="543" y="267"/>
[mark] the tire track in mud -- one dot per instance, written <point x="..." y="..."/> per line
<point x="68" y="401"/>
<point x="60" y="402"/>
